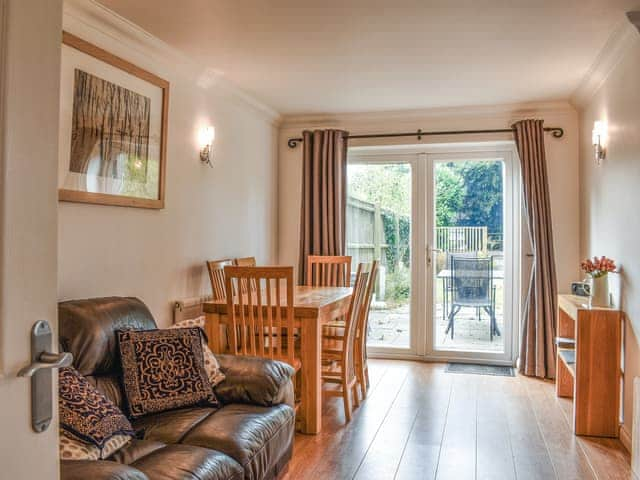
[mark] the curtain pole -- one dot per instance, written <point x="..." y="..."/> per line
<point x="556" y="132"/>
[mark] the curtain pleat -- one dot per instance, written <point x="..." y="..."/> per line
<point x="324" y="196"/>
<point x="537" y="350"/>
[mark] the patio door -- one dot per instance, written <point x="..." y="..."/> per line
<point x="443" y="221"/>
<point x="473" y="239"/>
<point x="382" y="214"/>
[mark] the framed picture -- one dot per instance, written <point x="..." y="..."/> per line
<point x="113" y="129"/>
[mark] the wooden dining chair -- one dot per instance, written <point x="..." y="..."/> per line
<point x="216" y="275"/>
<point x="334" y="333"/>
<point x="328" y="271"/>
<point x="339" y="364"/>
<point x="245" y="262"/>
<point x="265" y="308"/>
<point x="362" y="367"/>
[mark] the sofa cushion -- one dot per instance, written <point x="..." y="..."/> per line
<point x="163" y="370"/>
<point x="255" y="381"/>
<point x="135" y="450"/>
<point x="98" y="470"/>
<point x="86" y="414"/>
<point x="256" y="437"/>
<point x="87" y="330"/>
<point x="185" y="462"/>
<point x="111" y="387"/>
<point x="171" y="426"/>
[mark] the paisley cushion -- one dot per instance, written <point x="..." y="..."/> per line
<point x="85" y="413"/>
<point x="211" y="364"/>
<point x="164" y="369"/>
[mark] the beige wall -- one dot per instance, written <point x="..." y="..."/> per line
<point x="610" y="193"/>
<point x="225" y="211"/>
<point x="562" y="158"/>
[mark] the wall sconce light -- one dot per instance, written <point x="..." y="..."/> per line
<point x="205" y="138"/>
<point x="598" y="136"/>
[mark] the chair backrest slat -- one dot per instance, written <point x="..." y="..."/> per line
<point x="260" y="319"/>
<point x="328" y="271"/>
<point x="248" y="309"/>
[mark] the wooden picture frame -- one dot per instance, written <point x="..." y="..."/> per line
<point x="67" y="194"/>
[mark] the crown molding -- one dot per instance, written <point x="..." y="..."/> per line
<point x="82" y="18"/>
<point x="623" y="38"/>
<point x="507" y="111"/>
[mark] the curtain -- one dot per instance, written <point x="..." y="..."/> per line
<point x="537" y="350"/>
<point x="324" y="196"/>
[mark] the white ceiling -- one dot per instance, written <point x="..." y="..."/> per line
<point x="366" y="55"/>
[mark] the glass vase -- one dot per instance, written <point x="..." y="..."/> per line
<point x="600" y="291"/>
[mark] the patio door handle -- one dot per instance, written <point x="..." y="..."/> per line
<point x="429" y="252"/>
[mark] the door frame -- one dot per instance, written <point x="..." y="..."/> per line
<point x="424" y="157"/>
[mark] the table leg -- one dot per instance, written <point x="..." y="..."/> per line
<point x="311" y="391"/>
<point x="212" y="327"/>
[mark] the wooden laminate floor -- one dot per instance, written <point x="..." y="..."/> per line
<point x="419" y="422"/>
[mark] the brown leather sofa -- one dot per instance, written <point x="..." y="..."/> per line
<point x="249" y="437"/>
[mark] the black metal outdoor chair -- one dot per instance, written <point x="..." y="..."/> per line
<point x="472" y="287"/>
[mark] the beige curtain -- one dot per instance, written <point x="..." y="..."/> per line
<point x="324" y="196"/>
<point x="537" y="350"/>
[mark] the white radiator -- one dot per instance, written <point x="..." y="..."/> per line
<point x="188" y="308"/>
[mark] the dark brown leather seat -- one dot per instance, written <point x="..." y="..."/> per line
<point x="249" y="437"/>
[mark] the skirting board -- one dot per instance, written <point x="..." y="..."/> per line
<point x="625" y="438"/>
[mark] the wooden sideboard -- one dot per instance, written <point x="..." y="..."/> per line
<point x="589" y="364"/>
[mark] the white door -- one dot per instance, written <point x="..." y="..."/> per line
<point x="30" y="35"/>
<point x="383" y="212"/>
<point x="472" y="232"/>
<point x="420" y="211"/>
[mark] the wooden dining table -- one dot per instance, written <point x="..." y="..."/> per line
<point x="312" y="307"/>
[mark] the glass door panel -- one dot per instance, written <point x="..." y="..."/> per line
<point x="379" y="227"/>
<point x="468" y="257"/>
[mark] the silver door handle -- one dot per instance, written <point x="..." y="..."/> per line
<point x="47" y="360"/>
<point x="40" y="373"/>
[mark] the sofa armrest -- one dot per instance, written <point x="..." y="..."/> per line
<point x="255" y="381"/>
<point x="98" y="470"/>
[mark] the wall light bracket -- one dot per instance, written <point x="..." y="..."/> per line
<point x="598" y="136"/>
<point x="206" y="137"/>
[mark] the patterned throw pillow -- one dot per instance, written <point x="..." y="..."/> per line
<point x="86" y="414"/>
<point x="72" y="449"/>
<point x="163" y="370"/>
<point x="211" y="364"/>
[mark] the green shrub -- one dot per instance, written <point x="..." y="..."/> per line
<point x="398" y="286"/>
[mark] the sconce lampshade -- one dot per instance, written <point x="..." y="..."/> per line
<point x="206" y="135"/>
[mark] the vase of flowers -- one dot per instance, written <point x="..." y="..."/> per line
<point x="598" y="269"/>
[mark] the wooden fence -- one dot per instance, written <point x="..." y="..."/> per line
<point x="366" y="239"/>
